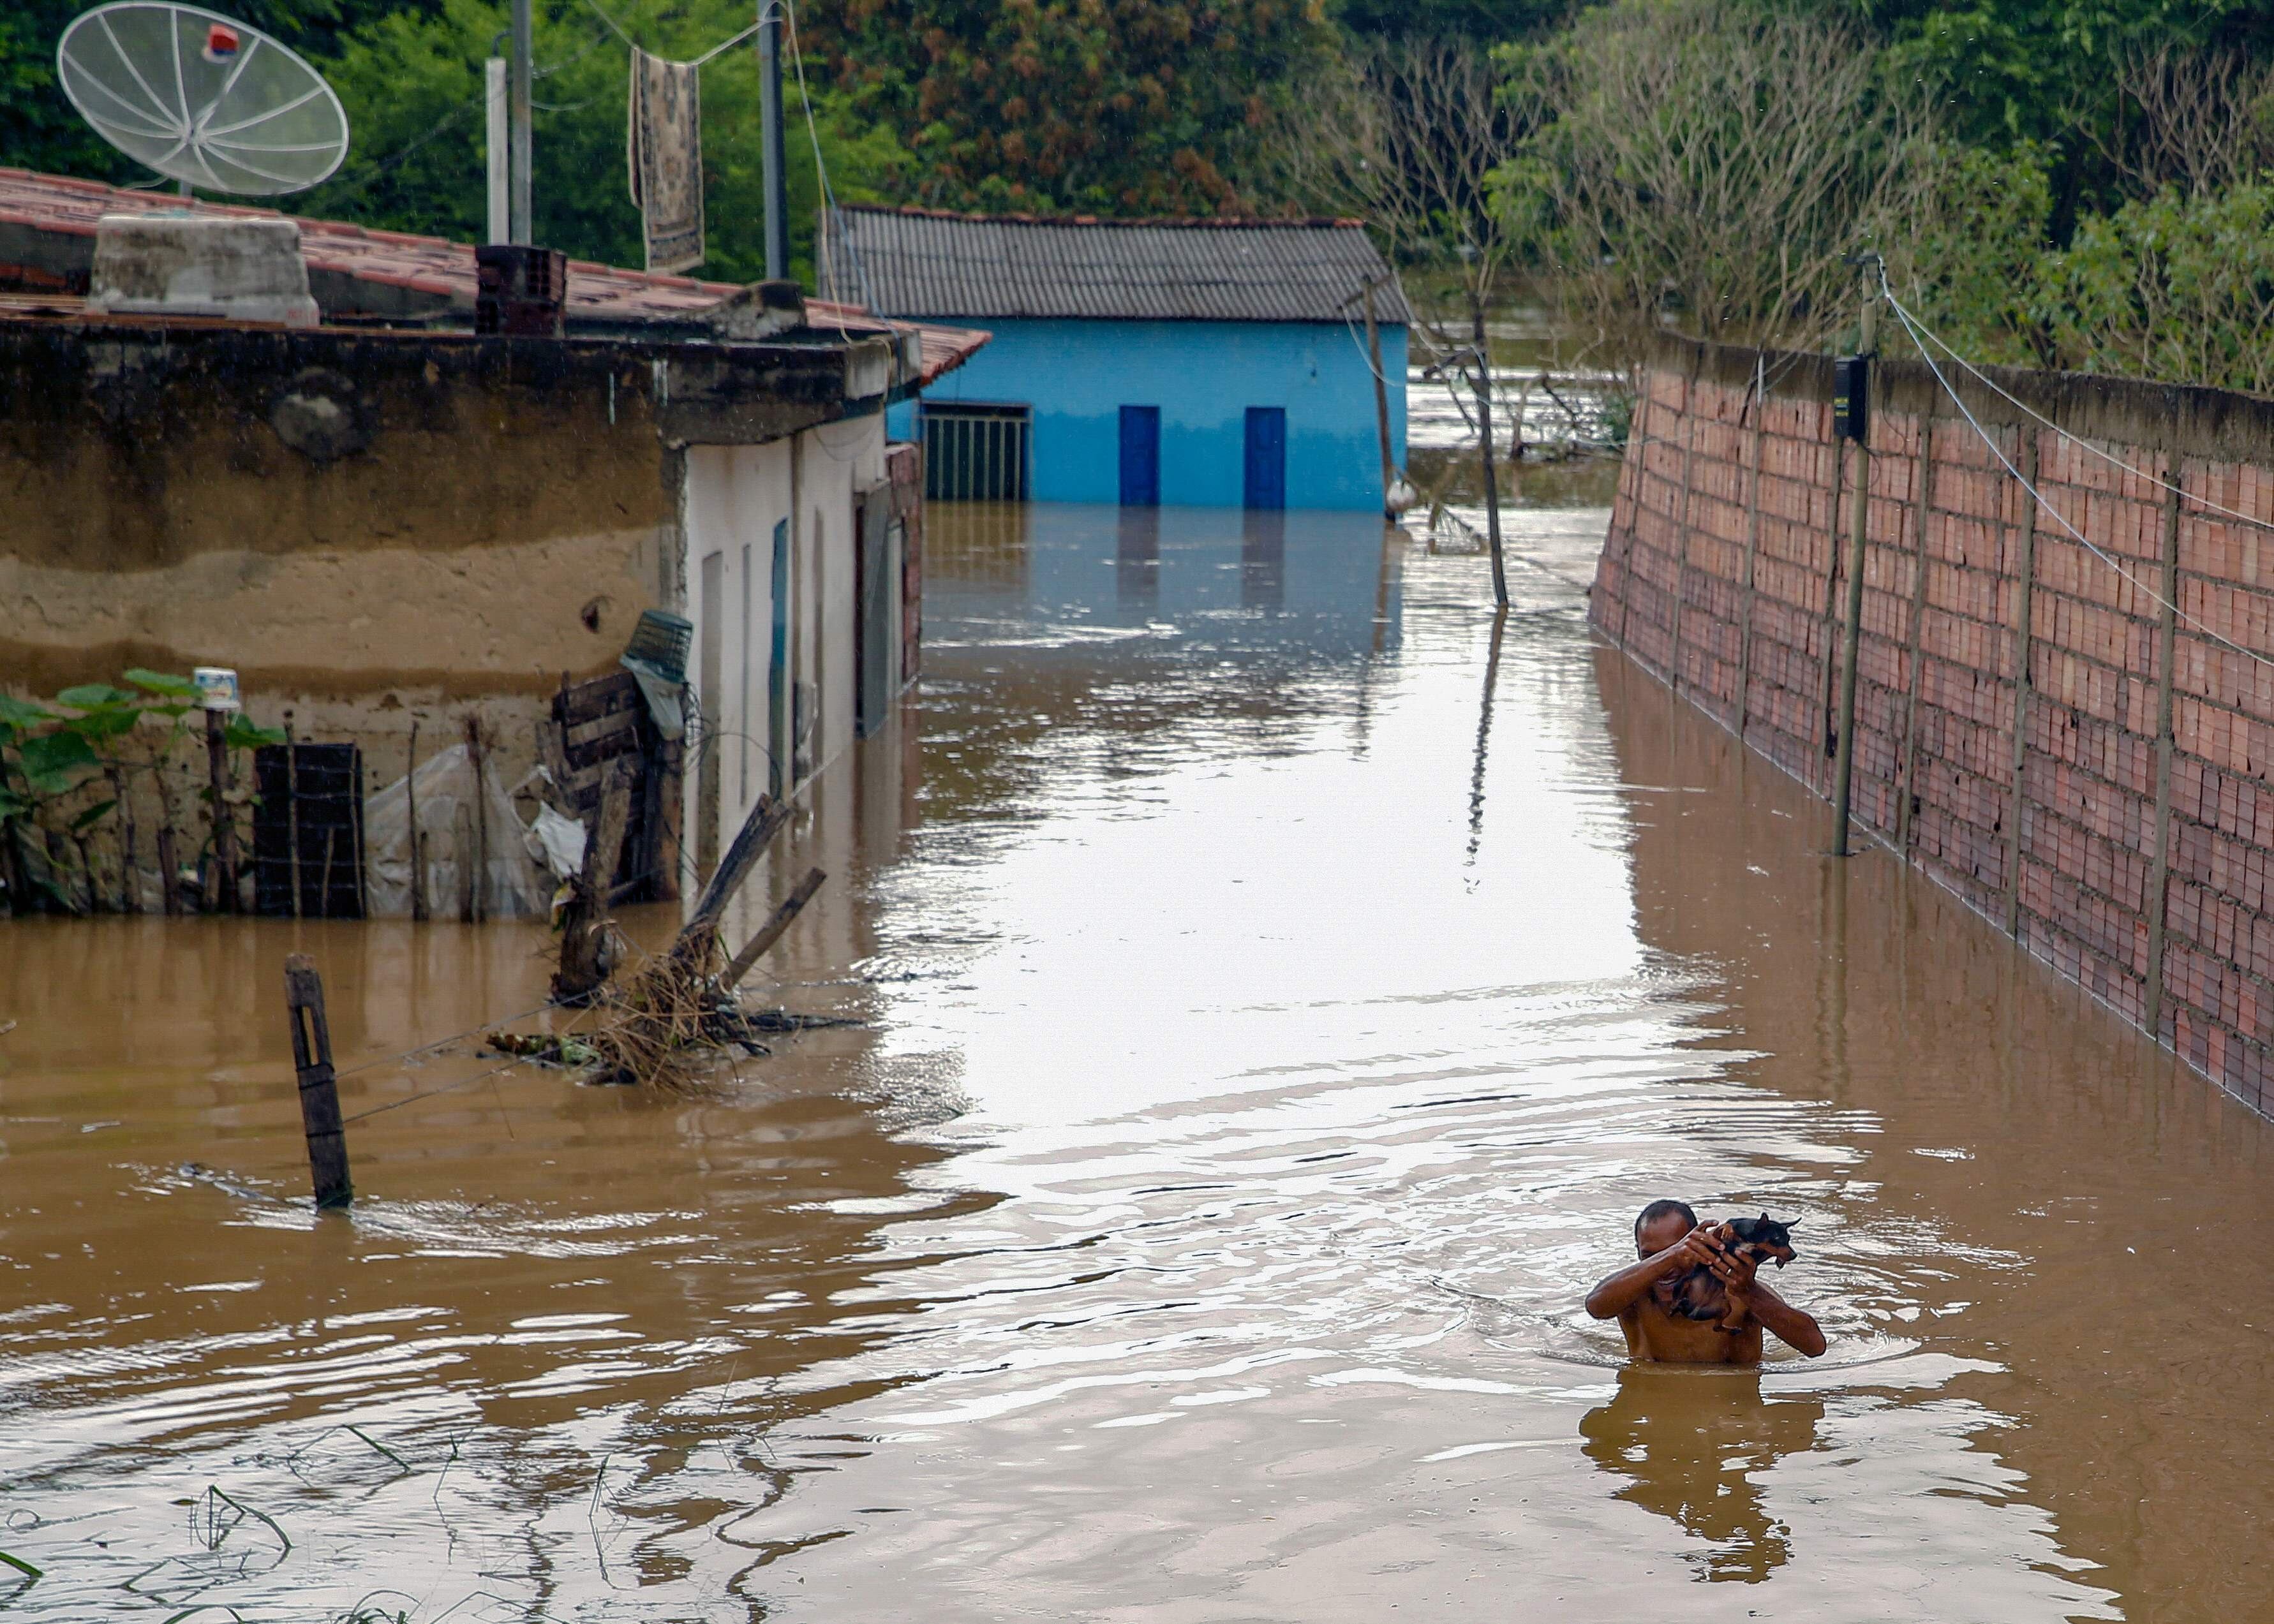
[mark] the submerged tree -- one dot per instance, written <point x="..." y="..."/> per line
<point x="1408" y="134"/>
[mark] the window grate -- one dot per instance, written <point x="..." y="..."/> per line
<point x="976" y="453"/>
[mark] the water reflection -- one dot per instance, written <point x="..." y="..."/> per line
<point x="1277" y="1014"/>
<point x="1696" y="1449"/>
<point x="1060" y="579"/>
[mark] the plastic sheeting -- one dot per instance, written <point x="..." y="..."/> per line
<point x="456" y="827"/>
<point x="557" y="841"/>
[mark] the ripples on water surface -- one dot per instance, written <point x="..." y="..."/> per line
<point x="1275" y="1028"/>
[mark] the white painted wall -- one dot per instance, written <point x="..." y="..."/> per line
<point x="733" y="498"/>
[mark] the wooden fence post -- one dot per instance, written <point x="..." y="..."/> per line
<point x="477" y="904"/>
<point x="2159" y="870"/>
<point x="584" y="925"/>
<point x="2027" y="574"/>
<point x="417" y="841"/>
<point x="320" y="1094"/>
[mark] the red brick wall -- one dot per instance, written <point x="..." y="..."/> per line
<point x="1723" y="573"/>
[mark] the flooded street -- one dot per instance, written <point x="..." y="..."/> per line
<point x="1279" y="997"/>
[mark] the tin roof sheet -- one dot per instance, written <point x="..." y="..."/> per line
<point x="924" y="264"/>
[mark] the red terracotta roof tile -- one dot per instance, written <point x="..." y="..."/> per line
<point x="437" y="265"/>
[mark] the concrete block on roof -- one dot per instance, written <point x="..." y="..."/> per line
<point x="243" y="269"/>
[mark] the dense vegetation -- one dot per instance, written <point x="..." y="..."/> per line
<point x="2076" y="183"/>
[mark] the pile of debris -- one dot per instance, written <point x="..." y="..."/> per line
<point x="669" y="1021"/>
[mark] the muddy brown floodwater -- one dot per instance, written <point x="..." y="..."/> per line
<point x="1279" y="1005"/>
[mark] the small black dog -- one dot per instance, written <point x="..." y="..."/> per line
<point x="1700" y="1295"/>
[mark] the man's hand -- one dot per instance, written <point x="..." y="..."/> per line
<point x="1736" y="1271"/>
<point x="1616" y="1293"/>
<point x="1700" y="1246"/>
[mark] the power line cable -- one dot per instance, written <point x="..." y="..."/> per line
<point x="720" y="49"/>
<point x="1995" y="388"/>
<point x="2038" y="496"/>
<point x="464" y="1082"/>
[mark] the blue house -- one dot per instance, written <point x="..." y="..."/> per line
<point x="1148" y="363"/>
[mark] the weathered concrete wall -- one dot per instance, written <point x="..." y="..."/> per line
<point x="2033" y="730"/>
<point x="377" y="531"/>
<point x="332" y="516"/>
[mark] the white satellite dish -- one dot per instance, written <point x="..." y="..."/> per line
<point x="202" y="99"/>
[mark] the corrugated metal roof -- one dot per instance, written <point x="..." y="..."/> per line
<point x="917" y="263"/>
<point x="435" y="266"/>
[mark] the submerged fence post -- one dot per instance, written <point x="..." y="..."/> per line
<point x="320" y="1094"/>
<point x="1844" y="773"/>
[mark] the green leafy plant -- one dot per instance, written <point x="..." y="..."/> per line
<point x="54" y="751"/>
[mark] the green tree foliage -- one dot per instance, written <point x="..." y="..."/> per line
<point x="1971" y="271"/>
<point x="2019" y="70"/>
<point x="1104" y="106"/>
<point x="2174" y="288"/>
<point x="411" y="79"/>
<point x="1709" y="163"/>
<point x="412" y="84"/>
<point x="2170" y="287"/>
<point x="39" y="131"/>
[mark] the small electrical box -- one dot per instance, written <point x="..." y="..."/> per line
<point x="1851" y="397"/>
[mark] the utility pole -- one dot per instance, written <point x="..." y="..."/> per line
<point x="521" y="213"/>
<point x="1483" y="381"/>
<point x="770" y="123"/>
<point x="1381" y="390"/>
<point x="496" y="98"/>
<point x="1857" y="401"/>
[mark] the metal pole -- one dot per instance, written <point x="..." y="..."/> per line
<point x="1852" y="636"/>
<point x="500" y="167"/>
<point x="770" y="122"/>
<point x="521" y="217"/>
<point x="1381" y="390"/>
<point x="1484" y="426"/>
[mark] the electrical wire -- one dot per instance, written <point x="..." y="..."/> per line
<point x="825" y="262"/>
<point x="723" y="46"/>
<point x="464" y="1082"/>
<point x="1992" y="384"/>
<point x="395" y="159"/>
<point x="2038" y="496"/>
<point x="428" y="1048"/>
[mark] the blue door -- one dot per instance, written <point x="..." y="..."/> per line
<point x="778" y="664"/>
<point x="1265" y="485"/>
<point x="1141" y="456"/>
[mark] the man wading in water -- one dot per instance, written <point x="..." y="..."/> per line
<point x="1640" y="1296"/>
